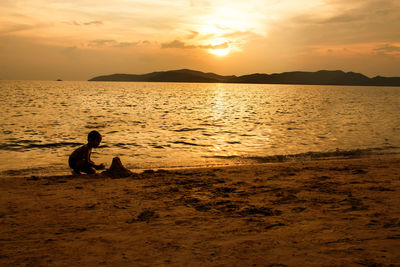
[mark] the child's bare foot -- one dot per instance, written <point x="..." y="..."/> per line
<point x="75" y="172"/>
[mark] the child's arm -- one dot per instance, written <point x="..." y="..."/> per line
<point x="99" y="167"/>
<point x="92" y="164"/>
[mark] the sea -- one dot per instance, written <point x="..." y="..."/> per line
<point x="180" y="125"/>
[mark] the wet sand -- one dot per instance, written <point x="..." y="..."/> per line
<point x="336" y="212"/>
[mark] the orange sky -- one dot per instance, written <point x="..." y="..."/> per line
<point x="80" y="39"/>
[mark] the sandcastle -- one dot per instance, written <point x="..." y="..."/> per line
<point x="117" y="170"/>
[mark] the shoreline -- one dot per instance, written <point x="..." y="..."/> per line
<point x="337" y="212"/>
<point x="62" y="169"/>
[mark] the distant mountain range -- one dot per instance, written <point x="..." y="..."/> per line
<point x="322" y="77"/>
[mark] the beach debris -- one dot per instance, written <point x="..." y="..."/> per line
<point x="77" y="229"/>
<point x="145" y="216"/>
<point x="323" y="178"/>
<point x="32" y="178"/>
<point x="380" y="188"/>
<point x="274" y="225"/>
<point x="162" y="172"/>
<point x="173" y="190"/>
<point x="355" y="203"/>
<point x="393" y="237"/>
<point x="117" y="170"/>
<point x="286" y="199"/>
<point x="226" y="206"/>
<point x="225" y="189"/>
<point x="277" y="265"/>
<point x="265" y="211"/>
<point x="359" y="171"/>
<point x="90" y="206"/>
<point x="148" y="172"/>
<point x="196" y="203"/>
<point x="202" y="207"/>
<point x="298" y="209"/>
<point x="119" y="207"/>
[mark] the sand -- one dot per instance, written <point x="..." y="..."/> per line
<point x="333" y="212"/>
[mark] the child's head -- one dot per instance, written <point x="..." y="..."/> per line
<point x="94" y="138"/>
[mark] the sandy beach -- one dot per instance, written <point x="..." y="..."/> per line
<point x="332" y="212"/>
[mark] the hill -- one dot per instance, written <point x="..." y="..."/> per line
<point x="322" y="77"/>
<point x="184" y="75"/>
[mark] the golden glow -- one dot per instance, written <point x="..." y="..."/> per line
<point x="219" y="52"/>
<point x="225" y="20"/>
<point x="219" y="47"/>
<point x="257" y="36"/>
<point x="221" y="23"/>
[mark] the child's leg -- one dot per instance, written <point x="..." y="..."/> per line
<point x="82" y="166"/>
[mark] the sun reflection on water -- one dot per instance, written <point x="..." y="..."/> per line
<point x="171" y="124"/>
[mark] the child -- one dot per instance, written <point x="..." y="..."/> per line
<point x="80" y="161"/>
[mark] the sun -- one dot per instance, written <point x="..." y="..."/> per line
<point x="219" y="52"/>
<point x="219" y="47"/>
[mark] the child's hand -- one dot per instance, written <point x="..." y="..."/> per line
<point x="101" y="167"/>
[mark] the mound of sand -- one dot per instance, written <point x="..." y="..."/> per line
<point x="117" y="170"/>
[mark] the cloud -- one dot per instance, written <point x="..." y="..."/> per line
<point x="181" y="45"/>
<point x="74" y="23"/>
<point x="193" y="34"/>
<point x="177" y="44"/>
<point x="101" y="43"/>
<point x="348" y="16"/>
<point x="265" y="36"/>
<point x="218" y="46"/>
<point x="387" y="49"/>
<point x="240" y="34"/>
<point x="17" y="27"/>
<point x="342" y="22"/>
<point x="95" y="22"/>
<point x="344" y="18"/>
<point x="89" y="23"/>
<point x="127" y="44"/>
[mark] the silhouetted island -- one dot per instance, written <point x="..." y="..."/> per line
<point x="322" y="77"/>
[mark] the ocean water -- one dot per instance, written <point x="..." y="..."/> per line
<point x="167" y="125"/>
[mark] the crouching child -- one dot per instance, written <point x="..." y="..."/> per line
<point x="79" y="161"/>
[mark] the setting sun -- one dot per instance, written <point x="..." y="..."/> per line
<point x="219" y="47"/>
<point x="219" y="52"/>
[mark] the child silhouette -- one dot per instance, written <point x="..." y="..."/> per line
<point x="80" y="161"/>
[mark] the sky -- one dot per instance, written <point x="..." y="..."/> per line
<point x="81" y="39"/>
